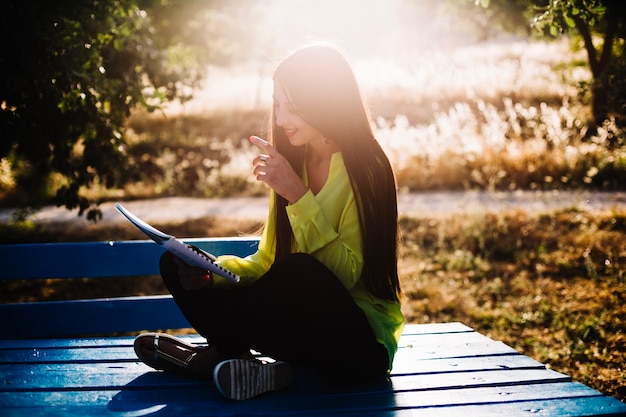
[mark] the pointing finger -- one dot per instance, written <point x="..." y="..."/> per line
<point x="263" y="144"/>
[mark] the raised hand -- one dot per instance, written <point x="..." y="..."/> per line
<point x="274" y="170"/>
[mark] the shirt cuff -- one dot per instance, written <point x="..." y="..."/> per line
<point x="303" y="210"/>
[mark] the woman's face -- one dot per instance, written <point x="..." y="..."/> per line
<point x="297" y="130"/>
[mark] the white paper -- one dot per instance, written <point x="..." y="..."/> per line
<point x="177" y="247"/>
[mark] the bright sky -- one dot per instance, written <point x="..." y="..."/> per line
<point x="361" y="27"/>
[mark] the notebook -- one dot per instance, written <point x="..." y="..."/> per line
<point x="177" y="247"/>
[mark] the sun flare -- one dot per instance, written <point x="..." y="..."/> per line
<point x="359" y="26"/>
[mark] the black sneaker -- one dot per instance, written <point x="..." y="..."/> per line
<point x="241" y="379"/>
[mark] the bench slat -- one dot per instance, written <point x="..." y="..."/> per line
<point x="199" y="397"/>
<point x="405" y="362"/>
<point x="78" y="317"/>
<point x="435" y="328"/>
<point x="79" y="343"/>
<point x="59" y="377"/>
<point x="101" y="259"/>
<point x="120" y="363"/>
<point x="410" y="330"/>
<point x="587" y="406"/>
<point x="433" y="347"/>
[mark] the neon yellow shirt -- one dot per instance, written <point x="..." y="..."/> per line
<point x="326" y="226"/>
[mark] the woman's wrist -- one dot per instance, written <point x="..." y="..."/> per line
<point x="297" y="195"/>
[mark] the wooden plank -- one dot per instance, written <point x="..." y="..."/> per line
<point x="436" y="346"/>
<point x="124" y="314"/>
<point x="89" y="377"/>
<point x="116" y="377"/>
<point x="297" y="395"/>
<point x="101" y="259"/>
<point x="77" y="317"/>
<point x="409" y="331"/>
<point x="405" y="363"/>
<point x="433" y="339"/>
<point x="434" y="328"/>
<point x="476" y="379"/>
<point x="87" y="259"/>
<point x="61" y="355"/>
<point x="401" y="367"/>
<point x="571" y="407"/>
<point x="462" y="350"/>
<point x="71" y="343"/>
<point x="83" y="342"/>
<point x="79" y="371"/>
<point x="201" y="399"/>
<point x="492" y="395"/>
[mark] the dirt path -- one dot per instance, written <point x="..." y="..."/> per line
<point x="410" y="204"/>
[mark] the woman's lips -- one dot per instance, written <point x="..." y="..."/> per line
<point x="290" y="132"/>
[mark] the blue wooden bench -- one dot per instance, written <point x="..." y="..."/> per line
<point x="49" y="367"/>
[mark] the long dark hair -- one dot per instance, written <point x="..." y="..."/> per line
<point x="322" y="87"/>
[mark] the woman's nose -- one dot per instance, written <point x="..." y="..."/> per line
<point x="281" y="117"/>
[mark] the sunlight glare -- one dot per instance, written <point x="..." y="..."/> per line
<point x="356" y="25"/>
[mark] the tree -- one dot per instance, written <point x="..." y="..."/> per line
<point x="72" y="72"/>
<point x="601" y="24"/>
<point x="602" y="27"/>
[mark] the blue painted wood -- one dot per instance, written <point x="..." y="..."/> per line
<point x="108" y="376"/>
<point x="95" y="260"/>
<point x="200" y="399"/>
<point x="74" y="343"/>
<point x="76" y="317"/>
<point x="431" y="330"/>
<point x="410" y="330"/>
<point x="453" y="348"/>
<point x="111" y="382"/>
<point x="299" y="394"/>
<point x="101" y="259"/>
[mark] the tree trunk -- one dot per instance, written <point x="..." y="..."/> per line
<point x="599" y="65"/>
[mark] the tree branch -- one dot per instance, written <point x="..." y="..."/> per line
<point x="609" y="37"/>
<point x="592" y="54"/>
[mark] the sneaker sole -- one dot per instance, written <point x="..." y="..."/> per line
<point x="241" y="379"/>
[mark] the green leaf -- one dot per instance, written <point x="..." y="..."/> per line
<point x="554" y="31"/>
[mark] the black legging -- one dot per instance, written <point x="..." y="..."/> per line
<point x="297" y="312"/>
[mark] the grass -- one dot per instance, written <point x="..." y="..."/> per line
<point x="553" y="286"/>
<point x="502" y="117"/>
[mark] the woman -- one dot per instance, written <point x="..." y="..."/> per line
<point x="322" y="290"/>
